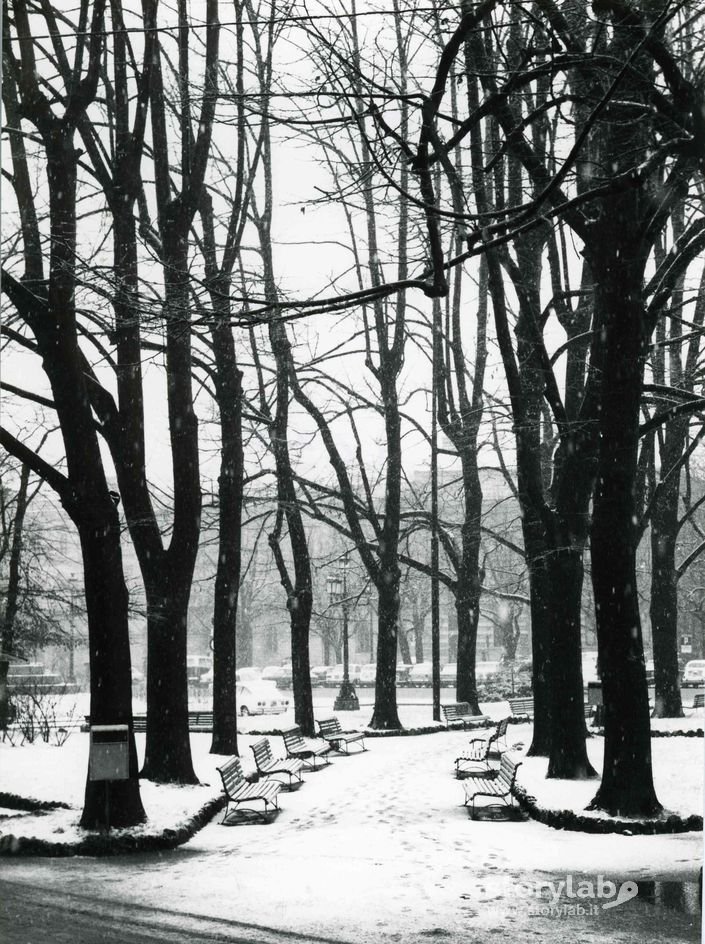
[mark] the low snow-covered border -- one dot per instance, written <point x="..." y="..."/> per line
<point x="568" y="819"/>
<point x="11" y="801"/>
<point x="437" y="728"/>
<point x="119" y="842"/>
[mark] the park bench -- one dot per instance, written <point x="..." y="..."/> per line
<point x="482" y="751"/>
<point x="460" y="712"/>
<point x="305" y="749"/>
<point x="338" y="739"/>
<point x="699" y="700"/>
<point x="499" y="786"/>
<point x="269" y="765"/>
<point x="521" y="707"/>
<point x="524" y="707"/>
<point x="239" y="790"/>
<point x="199" y="722"/>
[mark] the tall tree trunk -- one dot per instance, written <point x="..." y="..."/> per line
<point x="109" y="659"/>
<point x="167" y="742"/>
<point x="244" y="648"/>
<point x="627" y="786"/>
<point x="228" y="380"/>
<point x="418" y="638"/>
<point x="568" y="755"/>
<point x="7" y="629"/>
<point x="664" y="613"/>
<point x="51" y="315"/>
<point x="469" y="582"/>
<point x="300" y="615"/>
<point x="385" y="715"/>
<point x="168" y="749"/>
<point x="541" y="603"/>
<point x="167" y="757"/>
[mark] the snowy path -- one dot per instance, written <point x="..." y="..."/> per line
<point x="378" y="847"/>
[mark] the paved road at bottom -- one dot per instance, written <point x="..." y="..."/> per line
<point x="32" y="916"/>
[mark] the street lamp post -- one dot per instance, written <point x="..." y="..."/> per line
<point x="347" y="699"/>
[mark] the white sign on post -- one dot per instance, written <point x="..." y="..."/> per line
<point x="109" y="757"/>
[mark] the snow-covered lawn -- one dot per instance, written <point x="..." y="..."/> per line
<point x="376" y="847"/>
<point x="47" y="772"/>
<point x="678" y="777"/>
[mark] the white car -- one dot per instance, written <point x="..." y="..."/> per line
<point x="335" y="676"/>
<point x="368" y="674"/>
<point x="694" y="673"/>
<point x="449" y="674"/>
<point x="318" y="674"/>
<point x="420" y="674"/>
<point x="271" y="673"/>
<point x="248" y="674"/>
<point x="485" y="670"/>
<point x="260" y="698"/>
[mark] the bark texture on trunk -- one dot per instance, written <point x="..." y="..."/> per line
<point x="385" y="715"/>
<point x="627" y="786"/>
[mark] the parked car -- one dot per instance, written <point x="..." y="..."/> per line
<point x="486" y="670"/>
<point x="248" y="674"/>
<point x="260" y="698"/>
<point x="271" y="673"/>
<point x="694" y="673"/>
<point x="368" y="674"/>
<point x="420" y="674"/>
<point x="403" y="673"/>
<point x="449" y="674"/>
<point x="335" y="676"/>
<point x="318" y="674"/>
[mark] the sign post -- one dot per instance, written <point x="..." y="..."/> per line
<point x="109" y="757"/>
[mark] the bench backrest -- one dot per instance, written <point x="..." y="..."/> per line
<point x="699" y="700"/>
<point x="262" y="751"/>
<point x="329" y="727"/>
<point x="499" y="731"/>
<point x="455" y="712"/>
<point x="231" y="774"/>
<point x="521" y="704"/>
<point x="293" y="739"/>
<point x="507" y="771"/>
<point x="201" y="717"/>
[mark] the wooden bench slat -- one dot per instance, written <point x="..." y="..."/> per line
<point x="482" y="750"/>
<point x="267" y="764"/>
<point x="522" y="706"/>
<point x="306" y="749"/>
<point x="239" y="790"/>
<point x="501" y="786"/>
<point x="460" y="712"/>
<point x="332" y="732"/>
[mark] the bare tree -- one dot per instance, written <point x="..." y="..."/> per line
<point x="48" y="309"/>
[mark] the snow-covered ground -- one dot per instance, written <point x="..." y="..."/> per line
<point x="377" y="847"/>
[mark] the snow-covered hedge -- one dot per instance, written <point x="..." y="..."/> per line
<point x="116" y="842"/>
<point x="437" y="728"/>
<point x="568" y="819"/>
<point x="11" y="801"/>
